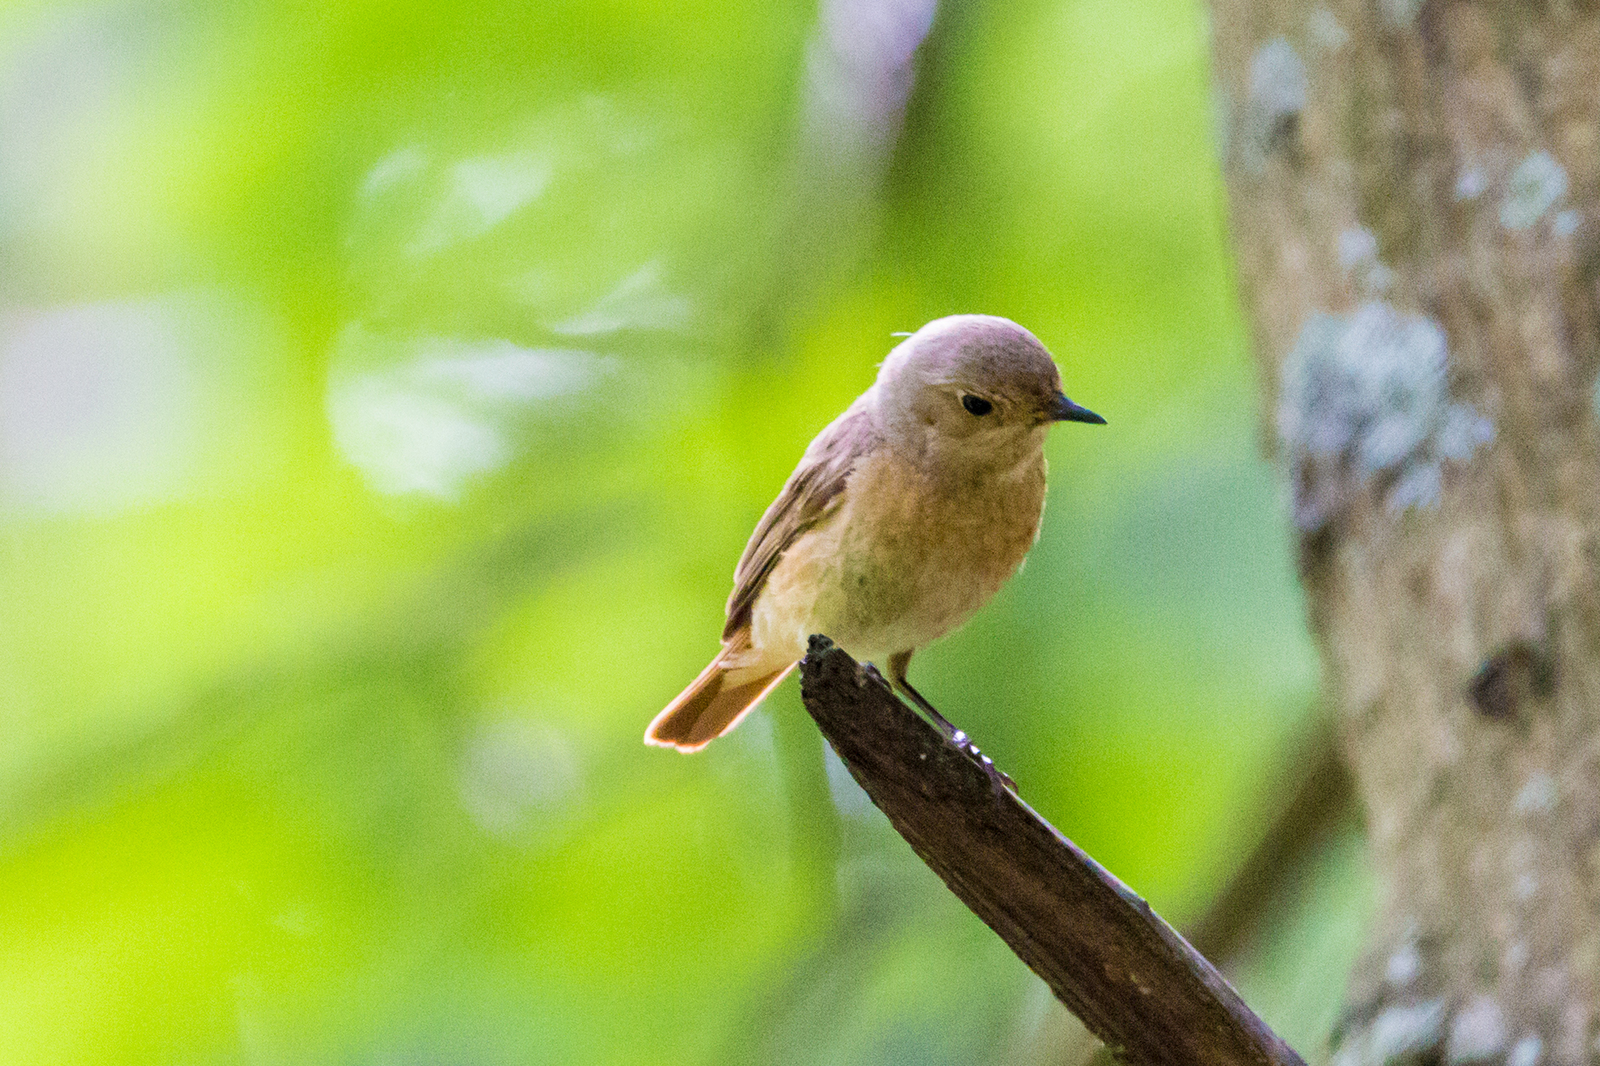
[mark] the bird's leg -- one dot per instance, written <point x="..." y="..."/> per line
<point x="947" y="727"/>
<point x="899" y="663"/>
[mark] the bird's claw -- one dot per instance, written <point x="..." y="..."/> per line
<point x="999" y="780"/>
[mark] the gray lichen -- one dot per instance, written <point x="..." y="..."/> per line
<point x="1277" y="95"/>
<point x="1399" y="1034"/>
<point x="1400" y="13"/>
<point x="1526" y="1052"/>
<point x="1477" y="1033"/>
<point x="1358" y="255"/>
<point x="1537" y="796"/>
<point x="1404" y="964"/>
<point x="1357" y="246"/>
<point x="1278" y="79"/>
<point x="1470" y="183"/>
<point x="1537" y="184"/>
<point x="1364" y="399"/>
<point x="1324" y="29"/>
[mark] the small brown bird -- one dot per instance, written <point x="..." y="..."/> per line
<point x="904" y="516"/>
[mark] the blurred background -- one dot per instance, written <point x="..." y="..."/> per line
<point x="386" y="394"/>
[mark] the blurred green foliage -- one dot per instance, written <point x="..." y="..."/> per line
<point x="386" y="392"/>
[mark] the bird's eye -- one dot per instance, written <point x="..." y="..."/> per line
<point x="976" y="405"/>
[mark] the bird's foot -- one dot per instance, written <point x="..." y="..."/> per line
<point x="998" y="778"/>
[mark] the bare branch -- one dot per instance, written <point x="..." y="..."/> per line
<point x="1127" y="974"/>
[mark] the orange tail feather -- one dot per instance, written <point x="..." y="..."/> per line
<point x="710" y="707"/>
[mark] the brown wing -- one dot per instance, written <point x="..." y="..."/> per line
<point x="811" y="493"/>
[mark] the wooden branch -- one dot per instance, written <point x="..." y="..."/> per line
<point x="1127" y="974"/>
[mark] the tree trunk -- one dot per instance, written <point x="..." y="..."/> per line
<point x="1415" y="193"/>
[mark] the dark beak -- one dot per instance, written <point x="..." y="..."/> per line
<point x="1064" y="410"/>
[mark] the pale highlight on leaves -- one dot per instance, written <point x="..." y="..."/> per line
<point x="426" y="416"/>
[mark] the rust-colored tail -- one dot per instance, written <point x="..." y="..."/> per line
<point x="710" y="706"/>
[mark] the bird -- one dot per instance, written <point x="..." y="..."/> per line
<point x="903" y="517"/>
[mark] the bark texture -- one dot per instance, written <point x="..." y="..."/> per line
<point x="1415" y="199"/>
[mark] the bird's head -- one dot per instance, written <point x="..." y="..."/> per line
<point x="972" y="390"/>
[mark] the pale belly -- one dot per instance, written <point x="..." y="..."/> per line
<point x="899" y="565"/>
